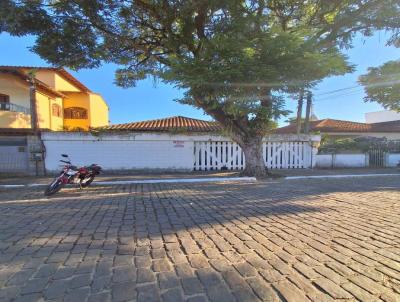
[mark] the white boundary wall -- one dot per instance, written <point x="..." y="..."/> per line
<point x="342" y="160"/>
<point x="392" y="159"/>
<point x="151" y="151"/>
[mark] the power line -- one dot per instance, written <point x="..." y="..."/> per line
<point x="339" y="90"/>
<point x="337" y="96"/>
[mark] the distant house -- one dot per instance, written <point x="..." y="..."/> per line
<point x="340" y="128"/>
<point x="382" y="116"/>
<point x="62" y="101"/>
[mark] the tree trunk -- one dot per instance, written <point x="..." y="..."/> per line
<point x="252" y="149"/>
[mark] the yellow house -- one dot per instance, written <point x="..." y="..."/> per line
<point x="62" y="102"/>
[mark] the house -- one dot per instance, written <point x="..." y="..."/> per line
<point x="382" y="116"/>
<point x="62" y="101"/>
<point x="341" y="129"/>
<point x="173" y="143"/>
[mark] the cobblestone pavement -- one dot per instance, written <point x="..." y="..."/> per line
<point x="300" y="240"/>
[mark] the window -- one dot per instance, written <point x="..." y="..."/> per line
<point x="75" y="113"/>
<point x="56" y="110"/>
<point x="4" y="102"/>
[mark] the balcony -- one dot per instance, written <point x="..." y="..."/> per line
<point x="6" y="106"/>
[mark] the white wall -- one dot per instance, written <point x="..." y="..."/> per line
<point x="392" y="159"/>
<point x="341" y="161"/>
<point x="323" y="161"/>
<point x="381" y="116"/>
<point x="119" y="152"/>
<point x="135" y="151"/>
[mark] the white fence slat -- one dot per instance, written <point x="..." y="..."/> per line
<point x="215" y="155"/>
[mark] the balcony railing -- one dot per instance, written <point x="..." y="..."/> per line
<point x="6" y="106"/>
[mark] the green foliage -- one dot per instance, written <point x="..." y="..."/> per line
<point x="382" y="85"/>
<point x="357" y="144"/>
<point x="235" y="59"/>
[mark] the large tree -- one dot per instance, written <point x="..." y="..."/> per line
<point x="234" y="58"/>
<point x="382" y="85"/>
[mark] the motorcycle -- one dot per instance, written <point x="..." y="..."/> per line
<point x="83" y="176"/>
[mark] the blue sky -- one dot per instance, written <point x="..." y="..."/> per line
<point x="149" y="100"/>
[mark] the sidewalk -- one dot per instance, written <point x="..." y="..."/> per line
<point x="25" y="180"/>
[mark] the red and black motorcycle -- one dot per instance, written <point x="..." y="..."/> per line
<point x="72" y="174"/>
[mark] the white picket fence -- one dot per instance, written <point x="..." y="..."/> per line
<point x="221" y="155"/>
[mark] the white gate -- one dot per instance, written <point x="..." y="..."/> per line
<point x="226" y="155"/>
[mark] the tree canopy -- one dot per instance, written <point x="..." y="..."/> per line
<point x="382" y="85"/>
<point x="234" y="58"/>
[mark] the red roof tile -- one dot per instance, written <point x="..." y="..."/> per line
<point x="175" y="123"/>
<point x="339" y="126"/>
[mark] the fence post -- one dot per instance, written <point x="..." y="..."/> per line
<point x="366" y="160"/>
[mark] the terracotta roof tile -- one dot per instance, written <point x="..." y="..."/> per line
<point x="339" y="126"/>
<point x="175" y="123"/>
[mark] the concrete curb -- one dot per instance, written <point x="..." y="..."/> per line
<point x="340" y="176"/>
<point x="150" y="181"/>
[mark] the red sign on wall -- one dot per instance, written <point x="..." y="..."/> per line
<point x="179" y="144"/>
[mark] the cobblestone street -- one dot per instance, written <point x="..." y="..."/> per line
<point x="298" y="240"/>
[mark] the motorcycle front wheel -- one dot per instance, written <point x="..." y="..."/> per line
<point x="54" y="187"/>
<point x="86" y="181"/>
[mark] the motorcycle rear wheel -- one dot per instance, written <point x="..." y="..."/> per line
<point x="54" y="187"/>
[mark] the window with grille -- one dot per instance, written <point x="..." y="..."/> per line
<point x="75" y="113"/>
<point x="56" y="110"/>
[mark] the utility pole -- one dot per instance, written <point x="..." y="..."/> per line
<point x="308" y="111"/>
<point x="299" y="112"/>
<point x="32" y="96"/>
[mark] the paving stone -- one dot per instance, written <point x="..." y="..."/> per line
<point x="20" y="277"/>
<point x="101" y="297"/>
<point x="28" y="298"/>
<point x="198" y="261"/>
<point x="80" y="294"/>
<point x="167" y="280"/>
<point x="145" y="275"/>
<point x="245" y="295"/>
<point x="368" y="284"/>
<point x="197" y="299"/>
<point x="219" y="293"/>
<point x="290" y="292"/>
<point x="312" y="239"/>
<point x="334" y="290"/>
<point x="80" y="281"/>
<point x="172" y="295"/>
<point x="64" y="273"/>
<point x="148" y="293"/>
<point x="101" y="283"/>
<point x="191" y="286"/>
<point x="34" y="285"/>
<point x="46" y="270"/>
<point x="56" y="289"/>
<point x="123" y="291"/>
<point x="359" y="293"/>
<point x="161" y="265"/>
<point x="263" y="290"/>
<point x="245" y="269"/>
<point x="124" y="274"/>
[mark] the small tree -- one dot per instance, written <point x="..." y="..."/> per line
<point x="235" y="59"/>
<point x="382" y="85"/>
